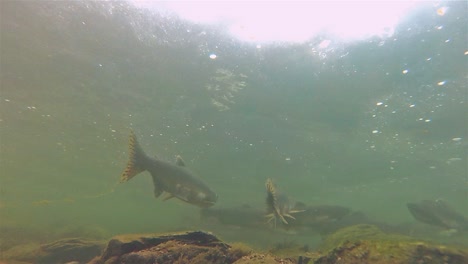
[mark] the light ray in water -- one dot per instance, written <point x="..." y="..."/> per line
<point x="282" y="21"/>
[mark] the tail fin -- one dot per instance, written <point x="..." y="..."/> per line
<point x="136" y="161"/>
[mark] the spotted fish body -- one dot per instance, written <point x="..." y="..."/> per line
<point x="174" y="179"/>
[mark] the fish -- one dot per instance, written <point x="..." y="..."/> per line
<point x="174" y="179"/>
<point x="320" y="214"/>
<point x="320" y="218"/>
<point x="438" y="213"/>
<point x="239" y="216"/>
<point x="278" y="205"/>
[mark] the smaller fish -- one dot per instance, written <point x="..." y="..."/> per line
<point x="174" y="179"/>
<point x="320" y="218"/>
<point x="278" y="205"/>
<point x="438" y="213"/>
<point x="241" y="216"/>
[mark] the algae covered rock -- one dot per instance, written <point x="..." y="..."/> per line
<point x="26" y="253"/>
<point x="187" y="247"/>
<point x="263" y="258"/>
<point x="61" y="251"/>
<point x="368" y="244"/>
<point x="351" y="245"/>
<point x="70" y="249"/>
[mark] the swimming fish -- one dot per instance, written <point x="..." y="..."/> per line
<point x="174" y="179"/>
<point x="239" y="216"/>
<point x="278" y="205"/>
<point x="438" y="213"/>
<point x="320" y="218"/>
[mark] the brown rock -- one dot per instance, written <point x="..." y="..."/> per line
<point x="188" y="247"/>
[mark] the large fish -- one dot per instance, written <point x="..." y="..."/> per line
<point x="174" y="179"/>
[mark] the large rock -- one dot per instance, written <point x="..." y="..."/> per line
<point x="61" y="251"/>
<point x="351" y="245"/>
<point x="367" y="244"/>
<point x="187" y="247"/>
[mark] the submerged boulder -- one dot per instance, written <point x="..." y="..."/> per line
<point x="187" y="247"/>
<point x="60" y="251"/>
<point x="69" y="250"/>
<point x="368" y="244"/>
<point x="351" y="245"/>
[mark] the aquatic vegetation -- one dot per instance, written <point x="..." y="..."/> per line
<point x="368" y="244"/>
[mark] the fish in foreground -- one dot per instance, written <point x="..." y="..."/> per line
<point x="438" y="213"/>
<point x="278" y="205"/>
<point x="174" y="179"/>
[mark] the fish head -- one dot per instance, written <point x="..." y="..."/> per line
<point x="201" y="197"/>
<point x="204" y="198"/>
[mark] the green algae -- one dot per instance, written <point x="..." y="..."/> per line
<point x="359" y="233"/>
<point x="368" y="244"/>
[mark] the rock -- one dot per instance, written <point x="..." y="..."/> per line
<point x="187" y="247"/>
<point x="26" y="253"/>
<point x="69" y="250"/>
<point x="351" y="245"/>
<point x="367" y="244"/>
<point x="263" y="258"/>
<point x="61" y="251"/>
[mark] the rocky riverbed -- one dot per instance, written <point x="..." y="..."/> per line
<point x="354" y="244"/>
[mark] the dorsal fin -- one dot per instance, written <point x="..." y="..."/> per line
<point x="180" y="161"/>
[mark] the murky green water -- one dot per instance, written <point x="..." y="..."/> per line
<point x="370" y="125"/>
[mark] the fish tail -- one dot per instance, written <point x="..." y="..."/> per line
<point x="137" y="159"/>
